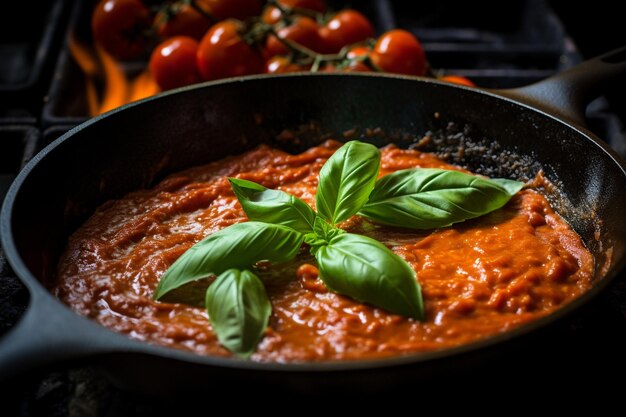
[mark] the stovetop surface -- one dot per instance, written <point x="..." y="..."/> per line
<point x="527" y="44"/>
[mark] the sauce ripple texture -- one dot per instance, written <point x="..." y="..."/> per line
<point x="479" y="278"/>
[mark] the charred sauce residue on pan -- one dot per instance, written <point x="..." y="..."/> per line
<point x="479" y="278"/>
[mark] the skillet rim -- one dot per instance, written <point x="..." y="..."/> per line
<point x="124" y="344"/>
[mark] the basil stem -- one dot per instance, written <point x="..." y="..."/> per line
<point x="346" y="180"/>
<point x="428" y="198"/>
<point x="273" y="206"/>
<point x="239" y="310"/>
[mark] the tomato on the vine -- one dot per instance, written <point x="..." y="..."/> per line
<point x="303" y="31"/>
<point x="358" y="51"/>
<point x="231" y="9"/>
<point x="327" y="67"/>
<point x="185" y="21"/>
<point x="224" y="53"/>
<point x="345" y="28"/>
<point x="282" y="64"/>
<point x="315" y="5"/>
<point x="173" y="62"/>
<point x="357" y="66"/>
<point x="400" y="52"/>
<point x="120" y="27"/>
<point x="271" y="15"/>
<point x="458" y="79"/>
<point x="356" y="57"/>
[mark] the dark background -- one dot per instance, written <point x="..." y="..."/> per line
<point x="596" y="27"/>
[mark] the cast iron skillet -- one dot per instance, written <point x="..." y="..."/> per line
<point x="139" y="144"/>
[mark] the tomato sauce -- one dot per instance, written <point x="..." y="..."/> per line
<point x="479" y="278"/>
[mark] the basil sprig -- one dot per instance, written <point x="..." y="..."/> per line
<point x="353" y="265"/>
<point x="428" y="198"/>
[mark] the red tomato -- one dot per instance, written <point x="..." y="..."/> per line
<point x="272" y="15"/>
<point x="328" y="67"/>
<point x="281" y="64"/>
<point x="186" y="22"/>
<point x="457" y="79"/>
<point x="231" y="9"/>
<point x="173" y="62"/>
<point x="345" y="28"/>
<point x="120" y="27"/>
<point x="357" y="64"/>
<point x="223" y="53"/>
<point x="304" y="31"/>
<point x="358" y="51"/>
<point x="315" y="5"/>
<point x="399" y="52"/>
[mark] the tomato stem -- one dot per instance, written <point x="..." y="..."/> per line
<point x="200" y="10"/>
<point x="316" y="64"/>
<point x="311" y="57"/>
<point x="302" y="55"/>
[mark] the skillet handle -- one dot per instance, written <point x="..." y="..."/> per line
<point x="567" y="94"/>
<point x="48" y="334"/>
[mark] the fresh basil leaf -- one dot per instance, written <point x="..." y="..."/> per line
<point x="346" y="180"/>
<point x="239" y="310"/>
<point x="238" y="246"/>
<point x="191" y="294"/>
<point x="512" y="187"/>
<point x="427" y="198"/>
<point x="273" y="206"/>
<point x="366" y="270"/>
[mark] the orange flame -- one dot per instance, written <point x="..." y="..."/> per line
<point x="117" y="88"/>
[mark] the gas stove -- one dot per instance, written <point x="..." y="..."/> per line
<point x="42" y="95"/>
